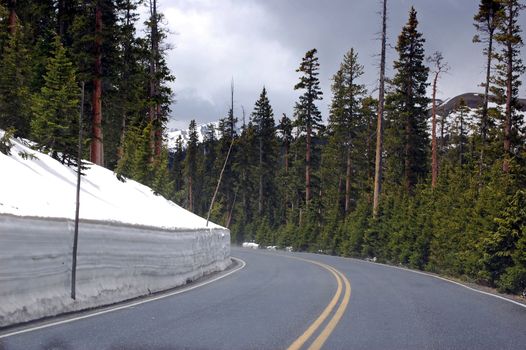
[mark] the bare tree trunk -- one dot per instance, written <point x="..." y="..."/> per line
<point x="340" y="187"/>
<point x="120" y="149"/>
<point x="286" y="156"/>
<point x="379" y="126"/>
<point x="434" y="159"/>
<point x="439" y="66"/>
<point x="408" y="149"/>
<point x="260" y="199"/>
<point x="369" y="152"/>
<point x="60" y="17"/>
<point x="307" y="167"/>
<point x="231" y="211"/>
<point x="12" y="17"/>
<point x="153" y="109"/>
<point x="158" y="132"/>
<point x="97" y="156"/>
<point x="190" y="194"/>
<point x="509" y="91"/>
<point x="286" y="161"/>
<point x="219" y="182"/>
<point x="461" y="138"/>
<point x="484" y="121"/>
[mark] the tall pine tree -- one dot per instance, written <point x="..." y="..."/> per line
<point x="407" y="109"/>
<point x="345" y="120"/>
<point x="190" y="164"/>
<point x="307" y="113"/>
<point x="508" y="78"/>
<point x="263" y="120"/>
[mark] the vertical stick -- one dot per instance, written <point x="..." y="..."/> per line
<point x="379" y="127"/>
<point x="219" y="181"/>
<point x="76" y="236"/>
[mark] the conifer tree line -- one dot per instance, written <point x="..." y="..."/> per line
<point x="452" y="196"/>
<point x="385" y="177"/>
<point x="48" y="47"/>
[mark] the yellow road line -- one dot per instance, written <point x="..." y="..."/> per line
<point x="320" y="340"/>
<point x="324" y="335"/>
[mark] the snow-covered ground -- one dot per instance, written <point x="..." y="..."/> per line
<point x="43" y="187"/>
<point x="131" y="242"/>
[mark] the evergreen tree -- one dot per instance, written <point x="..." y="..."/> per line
<point x="206" y="169"/>
<point x="486" y="20"/>
<point x="369" y="112"/>
<point x="245" y="170"/>
<point x="508" y="79"/>
<point x="162" y="184"/>
<point x="263" y="120"/>
<point x="407" y="109"/>
<point x="15" y="80"/>
<point x="307" y="113"/>
<point x="509" y="241"/>
<point x="136" y="152"/>
<point x="345" y="121"/>
<point x="129" y="102"/>
<point x="159" y="93"/>
<point x="283" y="180"/>
<point x="55" y="109"/>
<point x="177" y="169"/>
<point x="190" y="164"/>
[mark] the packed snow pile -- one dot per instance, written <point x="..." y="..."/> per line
<point x="114" y="263"/>
<point x="131" y="242"/>
<point x="34" y="184"/>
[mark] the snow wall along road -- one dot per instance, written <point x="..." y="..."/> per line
<point x="115" y="262"/>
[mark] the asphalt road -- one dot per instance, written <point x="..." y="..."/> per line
<point x="297" y="301"/>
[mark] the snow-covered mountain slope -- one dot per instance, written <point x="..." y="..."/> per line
<point x="43" y="187"/>
<point x="472" y="99"/>
<point x="449" y="114"/>
<point x="203" y="129"/>
<point x="173" y="134"/>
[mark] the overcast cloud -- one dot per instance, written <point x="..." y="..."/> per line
<point x="261" y="43"/>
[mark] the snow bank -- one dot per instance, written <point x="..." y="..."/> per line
<point x="250" y="245"/>
<point x="131" y="242"/>
<point x="43" y="187"/>
<point x="115" y="262"/>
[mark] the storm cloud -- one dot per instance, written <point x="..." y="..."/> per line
<point x="261" y="43"/>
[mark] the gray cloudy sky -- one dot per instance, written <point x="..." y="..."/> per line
<point x="262" y="42"/>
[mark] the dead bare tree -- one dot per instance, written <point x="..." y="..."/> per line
<point x="439" y="67"/>
<point x="379" y="125"/>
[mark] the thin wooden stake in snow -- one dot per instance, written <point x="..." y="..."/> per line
<point x="79" y="168"/>
<point x="219" y="181"/>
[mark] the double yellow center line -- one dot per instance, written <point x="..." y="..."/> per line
<point x="343" y="285"/>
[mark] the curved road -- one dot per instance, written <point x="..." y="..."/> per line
<point x="295" y="301"/>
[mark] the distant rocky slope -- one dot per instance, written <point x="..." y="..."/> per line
<point x="473" y="100"/>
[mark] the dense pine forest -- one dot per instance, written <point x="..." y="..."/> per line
<point x="380" y="178"/>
